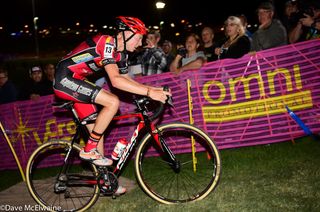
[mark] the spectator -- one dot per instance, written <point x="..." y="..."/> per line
<point x="35" y="87"/>
<point x="153" y="59"/>
<point x="244" y="22"/>
<point x="135" y="62"/>
<point x="271" y="32"/>
<point x="308" y="25"/>
<point x="207" y="35"/>
<point x="289" y="19"/>
<point x="236" y="43"/>
<point x="189" y="57"/>
<point x="8" y="91"/>
<point x="167" y="49"/>
<point x="49" y="70"/>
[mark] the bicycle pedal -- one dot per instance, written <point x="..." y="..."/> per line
<point x="108" y="183"/>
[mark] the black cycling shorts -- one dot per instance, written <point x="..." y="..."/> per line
<point x="82" y="92"/>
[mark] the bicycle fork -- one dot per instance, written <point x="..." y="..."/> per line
<point x="168" y="155"/>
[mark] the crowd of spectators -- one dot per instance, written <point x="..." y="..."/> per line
<point x="300" y="21"/>
<point x="38" y="84"/>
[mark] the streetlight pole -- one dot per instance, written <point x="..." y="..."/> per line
<point x="35" y="24"/>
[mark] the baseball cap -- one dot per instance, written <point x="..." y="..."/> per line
<point x="291" y="2"/>
<point x="266" y="6"/>
<point x="35" y="69"/>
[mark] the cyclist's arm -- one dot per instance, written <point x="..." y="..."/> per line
<point x="128" y="77"/>
<point x="125" y="83"/>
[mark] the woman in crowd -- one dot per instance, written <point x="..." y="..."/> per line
<point x="189" y="57"/>
<point x="236" y="44"/>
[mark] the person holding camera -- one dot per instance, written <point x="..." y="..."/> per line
<point x="188" y="57"/>
<point x="308" y="25"/>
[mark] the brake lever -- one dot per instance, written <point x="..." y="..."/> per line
<point x="169" y="100"/>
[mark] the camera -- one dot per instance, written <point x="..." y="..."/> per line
<point x="304" y="8"/>
<point x="301" y="13"/>
<point x="182" y="51"/>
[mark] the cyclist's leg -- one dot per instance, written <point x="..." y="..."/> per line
<point x="110" y="105"/>
<point x="100" y="146"/>
<point x="81" y="92"/>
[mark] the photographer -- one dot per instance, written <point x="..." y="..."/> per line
<point x="308" y="23"/>
<point x="189" y="57"/>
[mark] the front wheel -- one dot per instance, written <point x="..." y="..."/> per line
<point x="194" y="173"/>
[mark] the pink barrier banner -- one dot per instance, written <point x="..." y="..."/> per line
<point x="238" y="102"/>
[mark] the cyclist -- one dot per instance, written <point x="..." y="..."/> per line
<point x="102" y="52"/>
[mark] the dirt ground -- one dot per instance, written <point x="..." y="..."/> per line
<point x="17" y="197"/>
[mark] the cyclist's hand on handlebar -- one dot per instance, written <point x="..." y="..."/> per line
<point x="169" y="98"/>
<point x="159" y="94"/>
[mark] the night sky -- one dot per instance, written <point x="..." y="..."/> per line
<point x="54" y="12"/>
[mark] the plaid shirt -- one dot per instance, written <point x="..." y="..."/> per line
<point x="153" y="61"/>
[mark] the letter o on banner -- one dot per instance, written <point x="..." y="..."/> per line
<point x="219" y="85"/>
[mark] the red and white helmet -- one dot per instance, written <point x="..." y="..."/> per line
<point x="130" y="23"/>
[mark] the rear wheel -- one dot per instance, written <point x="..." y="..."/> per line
<point x="194" y="174"/>
<point x="60" y="186"/>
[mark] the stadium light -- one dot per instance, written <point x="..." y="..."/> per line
<point x="160" y="5"/>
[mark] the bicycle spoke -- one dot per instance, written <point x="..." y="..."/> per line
<point x="184" y="182"/>
<point x="70" y="191"/>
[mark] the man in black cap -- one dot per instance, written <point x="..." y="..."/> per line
<point x="35" y="87"/>
<point x="271" y="32"/>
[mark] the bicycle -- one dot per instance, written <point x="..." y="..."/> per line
<point x="187" y="161"/>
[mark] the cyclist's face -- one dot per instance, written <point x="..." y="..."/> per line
<point x="134" y="42"/>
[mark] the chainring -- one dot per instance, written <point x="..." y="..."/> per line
<point x="108" y="183"/>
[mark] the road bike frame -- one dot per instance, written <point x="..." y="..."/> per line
<point x="144" y="124"/>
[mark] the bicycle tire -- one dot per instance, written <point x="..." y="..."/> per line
<point x="41" y="181"/>
<point x="191" y="183"/>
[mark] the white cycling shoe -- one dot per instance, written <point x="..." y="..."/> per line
<point x="95" y="157"/>
<point x="121" y="190"/>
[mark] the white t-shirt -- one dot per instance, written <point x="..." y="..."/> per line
<point x="199" y="54"/>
